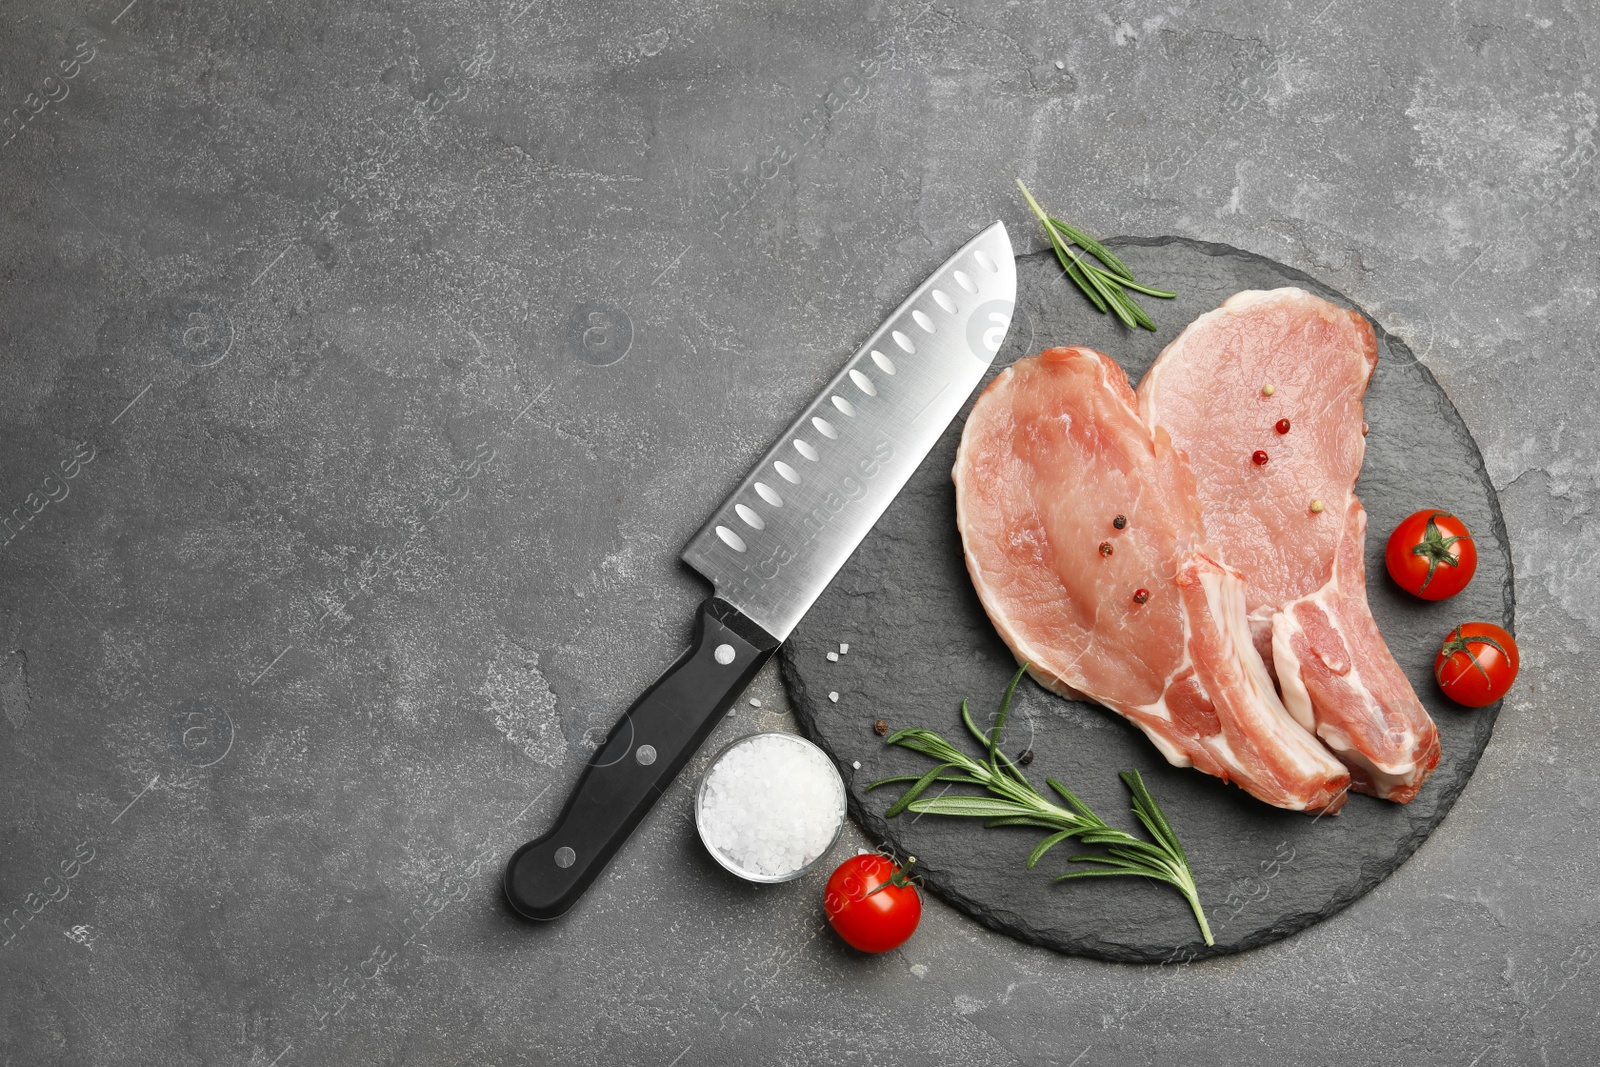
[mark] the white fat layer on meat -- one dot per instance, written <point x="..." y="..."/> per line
<point x="1159" y="710"/>
<point x="1174" y="755"/>
<point x="1225" y="597"/>
<point x="1294" y="688"/>
<point x="1384" y="773"/>
<point x="1295" y="696"/>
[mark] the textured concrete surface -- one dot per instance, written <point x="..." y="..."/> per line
<point x="366" y="364"/>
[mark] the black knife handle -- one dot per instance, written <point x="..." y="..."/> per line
<point x="641" y="756"/>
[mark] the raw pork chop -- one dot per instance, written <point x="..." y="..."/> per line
<point x="1053" y="451"/>
<point x="1305" y="591"/>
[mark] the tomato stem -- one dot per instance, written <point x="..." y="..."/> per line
<point x="1462" y="643"/>
<point x="900" y="877"/>
<point x="1435" y="547"/>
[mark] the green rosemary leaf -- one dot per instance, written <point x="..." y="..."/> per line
<point x="1000" y="719"/>
<point x="1046" y="845"/>
<point x="1072" y="798"/>
<point x="1076" y="274"/>
<point x="1145" y="805"/>
<point x="1095" y="289"/>
<point x="1112" y="294"/>
<point x="1152" y="860"/>
<point x="972" y="727"/>
<point x="1102" y="872"/>
<point x="980" y="806"/>
<point x="1013" y="801"/>
<point x="1139" y="314"/>
<point x="1075" y="271"/>
<point x="1093" y="247"/>
<point x="1106" y="285"/>
<point x="916" y="791"/>
<point x="891" y="781"/>
<point x="1113" y="285"/>
<point x="1016" y="772"/>
<point x="1106" y="835"/>
<point x="926" y="742"/>
<point x="1109" y="869"/>
<point x="1148" y="290"/>
<point x="1024" y="820"/>
<point x="954" y="779"/>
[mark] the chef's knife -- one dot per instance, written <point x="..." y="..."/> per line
<point x="775" y="544"/>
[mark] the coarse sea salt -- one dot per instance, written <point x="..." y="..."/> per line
<point x="770" y="806"/>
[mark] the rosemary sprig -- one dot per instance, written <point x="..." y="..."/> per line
<point x="1104" y="284"/>
<point x="1013" y="801"/>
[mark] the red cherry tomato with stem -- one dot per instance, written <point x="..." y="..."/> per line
<point x="1431" y="555"/>
<point x="871" y="903"/>
<point x="1476" y="664"/>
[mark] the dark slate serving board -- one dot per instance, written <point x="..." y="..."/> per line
<point x="920" y="642"/>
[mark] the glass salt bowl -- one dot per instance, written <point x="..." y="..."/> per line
<point x="728" y="862"/>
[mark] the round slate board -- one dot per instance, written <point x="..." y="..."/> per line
<point x="920" y="642"/>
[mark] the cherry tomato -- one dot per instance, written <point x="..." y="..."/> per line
<point x="1476" y="664"/>
<point x="1431" y="554"/>
<point x="871" y="903"/>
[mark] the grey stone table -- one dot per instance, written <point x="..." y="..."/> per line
<point x="366" y="365"/>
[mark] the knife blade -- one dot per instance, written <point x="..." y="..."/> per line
<point x="774" y="545"/>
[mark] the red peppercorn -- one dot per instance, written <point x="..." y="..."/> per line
<point x="1141" y="595"/>
<point x="1105" y="548"/>
<point x="1282" y="426"/>
<point x="1259" y="457"/>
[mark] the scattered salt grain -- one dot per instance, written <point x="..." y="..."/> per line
<point x="833" y="657"/>
<point x="844" y="647"/>
<point x="856" y="764"/>
<point x="755" y="702"/>
<point x="770" y="806"/>
<point x="834" y="697"/>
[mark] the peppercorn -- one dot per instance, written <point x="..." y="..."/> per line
<point x="1282" y="426"/>
<point x="1120" y="522"/>
<point x="1259" y="457"/>
<point x="1105" y="548"/>
<point x="1141" y="596"/>
<point x="1026" y="757"/>
<point x="880" y="727"/>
